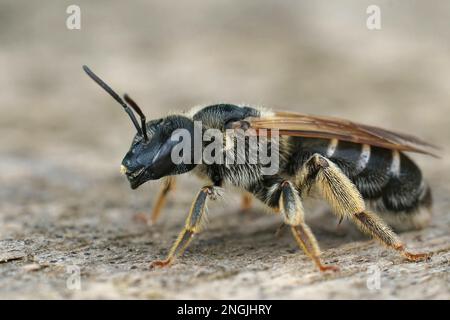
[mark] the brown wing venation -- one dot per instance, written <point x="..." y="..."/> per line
<point x="302" y="125"/>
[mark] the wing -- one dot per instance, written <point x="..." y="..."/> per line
<point x="302" y="125"/>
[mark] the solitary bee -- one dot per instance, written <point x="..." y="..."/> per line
<point x="355" y="168"/>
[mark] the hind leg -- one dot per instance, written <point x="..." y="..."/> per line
<point x="346" y="201"/>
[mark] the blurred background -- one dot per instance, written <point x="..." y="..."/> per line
<point x="62" y="138"/>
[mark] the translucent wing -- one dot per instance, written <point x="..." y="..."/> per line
<point x="302" y="125"/>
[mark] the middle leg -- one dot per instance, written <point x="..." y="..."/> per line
<point x="246" y="202"/>
<point x="167" y="186"/>
<point x="291" y="207"/>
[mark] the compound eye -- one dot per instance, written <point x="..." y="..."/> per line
<point x="145" y="158"/>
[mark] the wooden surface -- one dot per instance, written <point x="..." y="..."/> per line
<point x="66" y="211"/>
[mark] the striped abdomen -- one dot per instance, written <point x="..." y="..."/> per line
<point x="387" y="179"/>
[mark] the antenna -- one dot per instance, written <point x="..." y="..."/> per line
<point x="116" y="97"/>
<point x="139" y="112"/>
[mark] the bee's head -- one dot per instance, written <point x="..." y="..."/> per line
<point x="151" y="158"/>
<point x="150" y="154"/>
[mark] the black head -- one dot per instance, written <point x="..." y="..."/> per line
<point x="150" y="154"/>
<point x="152" y="159"/>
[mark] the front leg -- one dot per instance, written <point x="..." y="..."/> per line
<point x="192" y="226"/>
<point x="167" y="185"/>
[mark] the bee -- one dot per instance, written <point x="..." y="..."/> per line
<point x="357" y="169"/>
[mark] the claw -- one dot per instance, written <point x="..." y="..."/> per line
<point x="416" y="256"/>
<point x="324" y="268"/>
<point x="161" y="263"/>
<point x="328" y="268"/>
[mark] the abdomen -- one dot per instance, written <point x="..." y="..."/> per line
<point x="389" y="181"/>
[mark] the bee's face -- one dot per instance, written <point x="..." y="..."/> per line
<point x="137" y="164"/>
<point x="149" y="157"/>
<point x="151" y="160"/>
